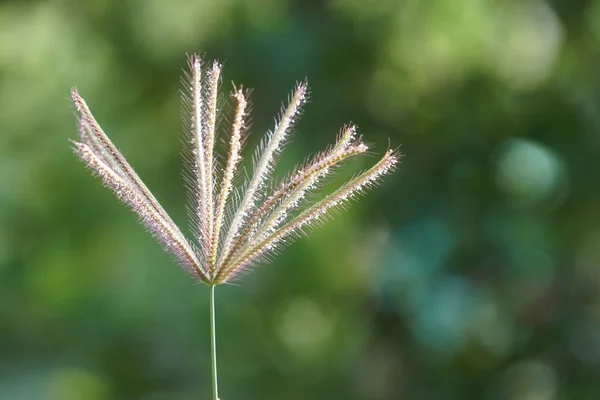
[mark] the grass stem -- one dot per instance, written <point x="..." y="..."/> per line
<point x="213" y="344"/>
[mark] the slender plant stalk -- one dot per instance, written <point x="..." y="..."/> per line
<point x="235" y="228"/>
<point x="213" y="344"/>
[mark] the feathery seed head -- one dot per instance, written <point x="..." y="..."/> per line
<point x="234" y="228"/>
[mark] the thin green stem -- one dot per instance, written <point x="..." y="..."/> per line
<point x="213" y="344"/>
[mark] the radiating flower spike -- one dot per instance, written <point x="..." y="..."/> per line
<point x="233" y="160"/>
<point x="259" y="221"/>
<point x="267" y="153"/>
<point x="165" y="231"/>
<point x="234" y="227"/>
<point x="347" y="192"/>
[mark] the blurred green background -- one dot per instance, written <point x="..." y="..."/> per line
<point x="472" y="273"/>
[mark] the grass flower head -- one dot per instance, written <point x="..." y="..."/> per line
<point x="234" y="228"/>
<point x="231" y="233"/>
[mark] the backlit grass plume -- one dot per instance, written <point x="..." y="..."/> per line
<point x="234" y="228"/>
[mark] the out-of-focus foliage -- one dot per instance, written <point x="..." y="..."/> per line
<point x="473" y="273"/>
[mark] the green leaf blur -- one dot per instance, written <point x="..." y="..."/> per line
<point x="472" y="273"/>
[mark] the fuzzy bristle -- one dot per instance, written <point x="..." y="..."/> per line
<point x="165" y="231"/>
<point x="274" y="209"/>
<point x="264" y="164"/>
<point x="233" y="160"/>
<point x="347" y="192"/>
